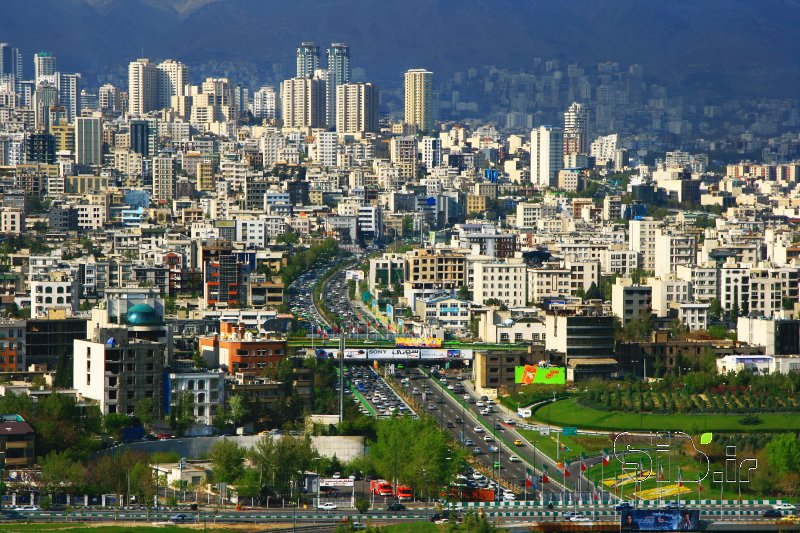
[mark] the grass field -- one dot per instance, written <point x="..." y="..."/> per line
<point x="570" y="413"/>
<point x="571" y="447"/>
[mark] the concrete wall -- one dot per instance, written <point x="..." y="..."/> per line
<point x="345" y="448"/>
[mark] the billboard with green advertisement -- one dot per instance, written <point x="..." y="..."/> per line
<point x="540" y="375"/>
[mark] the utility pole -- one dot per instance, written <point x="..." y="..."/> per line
<point x="341" y="376"/>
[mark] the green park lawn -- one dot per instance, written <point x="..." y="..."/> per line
<point x="570" y="413"/>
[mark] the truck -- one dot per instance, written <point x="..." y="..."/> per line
<point x="404" y="493"/>
<point x="471" y="494"/>
<point x="381" y="487"/>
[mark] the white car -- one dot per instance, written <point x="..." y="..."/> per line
<point x="480" y="404"/>
<point x="488" y="438"/>
<point x="783" y="507"/>
<point x="509" y="421"/>
<point x="578" y="518"/>
<point x="337" y="475"/>
<point x="509" y="496"/>
<point x="327" y="506"/>
<point x="477" y="475"/>
<point x="513" y="458"/>
<point x="478" y="429"/>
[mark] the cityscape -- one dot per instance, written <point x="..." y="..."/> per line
<point x="318" y="291"/>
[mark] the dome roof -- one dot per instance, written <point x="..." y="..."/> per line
<point x="142" y="315"/>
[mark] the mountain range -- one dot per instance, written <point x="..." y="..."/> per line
<point x="741" y="47"/>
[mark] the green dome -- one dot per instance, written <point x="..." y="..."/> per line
<point x="142" y="315"/>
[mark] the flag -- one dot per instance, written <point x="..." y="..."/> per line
<point x="680" y="477"/>
<point x="606" y="457"/>
<point x="661" y="473"/>
<point x="699" y="485"/>
<point x="616" y="485"/>
<point x="583" y="464"/>
<point x="641" y="469"/>
<point x="545" y="479"/>
<point x="565" y="470"/>
<point x="528" y="478"/>
<point x="594" y="494"/>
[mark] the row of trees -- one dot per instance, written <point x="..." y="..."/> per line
<point x="301" y="261"/>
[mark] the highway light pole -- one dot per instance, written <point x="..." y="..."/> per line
<point x="341" y="376"/>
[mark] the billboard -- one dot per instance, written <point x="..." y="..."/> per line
<point x="443" y="354"/>
<point x="355" y="354"/>
<point x="540" y="375"/>
<point x="389" y="353"/>
<point x="660" y="520"/>
<point x="356" y="275"/>
<point x="422" y="342"/>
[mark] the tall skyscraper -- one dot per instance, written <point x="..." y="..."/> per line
<point x="547" y="155"/>
<point x="10" y="62"/>
<point x="356" y="108"/>
<point x="329" y="98"/>
<point x="173" y="76"/>
<point x="419" y="98"/>
<point x="89" y="140"/>
<point x="576" y="129"/>
<point x="265" y="103"/>
<point x="109" y="98"/>
<point x="142" y="87"/>
<point x="339" y="63"/>
<point x="307" y="59"/>
<point x="69" y="93"/>
<point x="151" y="87"/>
<point x="44" y="64"/>
<point x="163" y="178"/>
<point x="45" y="97"/>
<point x="139" y="137"/>
<point x="303" y="103"/>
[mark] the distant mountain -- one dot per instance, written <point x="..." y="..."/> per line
<point x="739" y="46"/>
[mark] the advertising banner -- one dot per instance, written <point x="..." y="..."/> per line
<point x="658" y="520"/>
<point x="422" y="342"/>
<point x="389" y="353"/>
<point x="540" y="375"/>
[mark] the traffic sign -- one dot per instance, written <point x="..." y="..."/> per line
<point x="568" y="431"/>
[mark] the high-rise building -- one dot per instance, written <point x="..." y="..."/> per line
<point x="307" y="59"/>
<point x="142" y="87"/>
<point x="163" y="177"/>
<point x="576" y="129"/>
<point x="419" y="98"/>
<point x="326" y="76"/>
<point x="10" y="62"/>
<point x="303" y="103"/>
<point x="356" y="108"/>
<point x="139" y="137"/>
<point x="44" y="98"/>
<point x="173" y="76"/>
<point x="89" y="101"/>
<point x="109" y="98"/>
<point x="547" y="155"/>
<point x="89" y="140"/>
<point x="265" y="103"/>
<point x="44" y="64"/>
<point x="339" y="63"/>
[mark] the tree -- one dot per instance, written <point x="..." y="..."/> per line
<point x="114" y="423"/>
<point x="144" y="411"/>
<point x="227" y="461"/>
<point x="183" y="412"/>
<point x="249" y="484"/>
<point x="715" y="309"/>
<point x="783" y="453"/>
<point x="464" y="293"/>
<point x="237" y="409"/>
<point x="362" y="505"/>
<point x="594" y="292"/>
<point x="60" y="473"/>
<point x="279" y="461"/>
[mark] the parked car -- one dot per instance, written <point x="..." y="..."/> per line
<point x="327" y="506"/>
<point x="395" y="506"/>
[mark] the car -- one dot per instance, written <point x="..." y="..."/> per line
<point x="468" y="442"/>
<point x="431" y="407"/>
<point x="508" y="495"/>
<point x="493" y="449"/>
<point x="337" y="475"/>
<point x="480" y="404"/>
<point x="570" y="514"/>
<point x="578" y="518"/>
<point x="450" y="425"/>
<point x="459" y="421"/>
<point x="513" y="458"/>
<point x="789" y="518"/>
<point x="395" y="506"/>
<point x="772" y="513"/>
<point x="488" y="438"/>
<point x="622" y="506"/>
<point x="672" y="506"/>
<point x="358" y="526"/>
<point x="478" y="429"/>
<point x="466" y="397"/>
<point x="327" y="506"/>
<point x="180" y="517"/>
<point x="477" y="451"/>
<point x="518" y="442"/>
<point x="783" y="507"/>
<point x="477" y="475"/>
<point x="441" y="521"/>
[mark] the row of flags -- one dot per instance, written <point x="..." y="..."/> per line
<point x="564" y="469"/>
